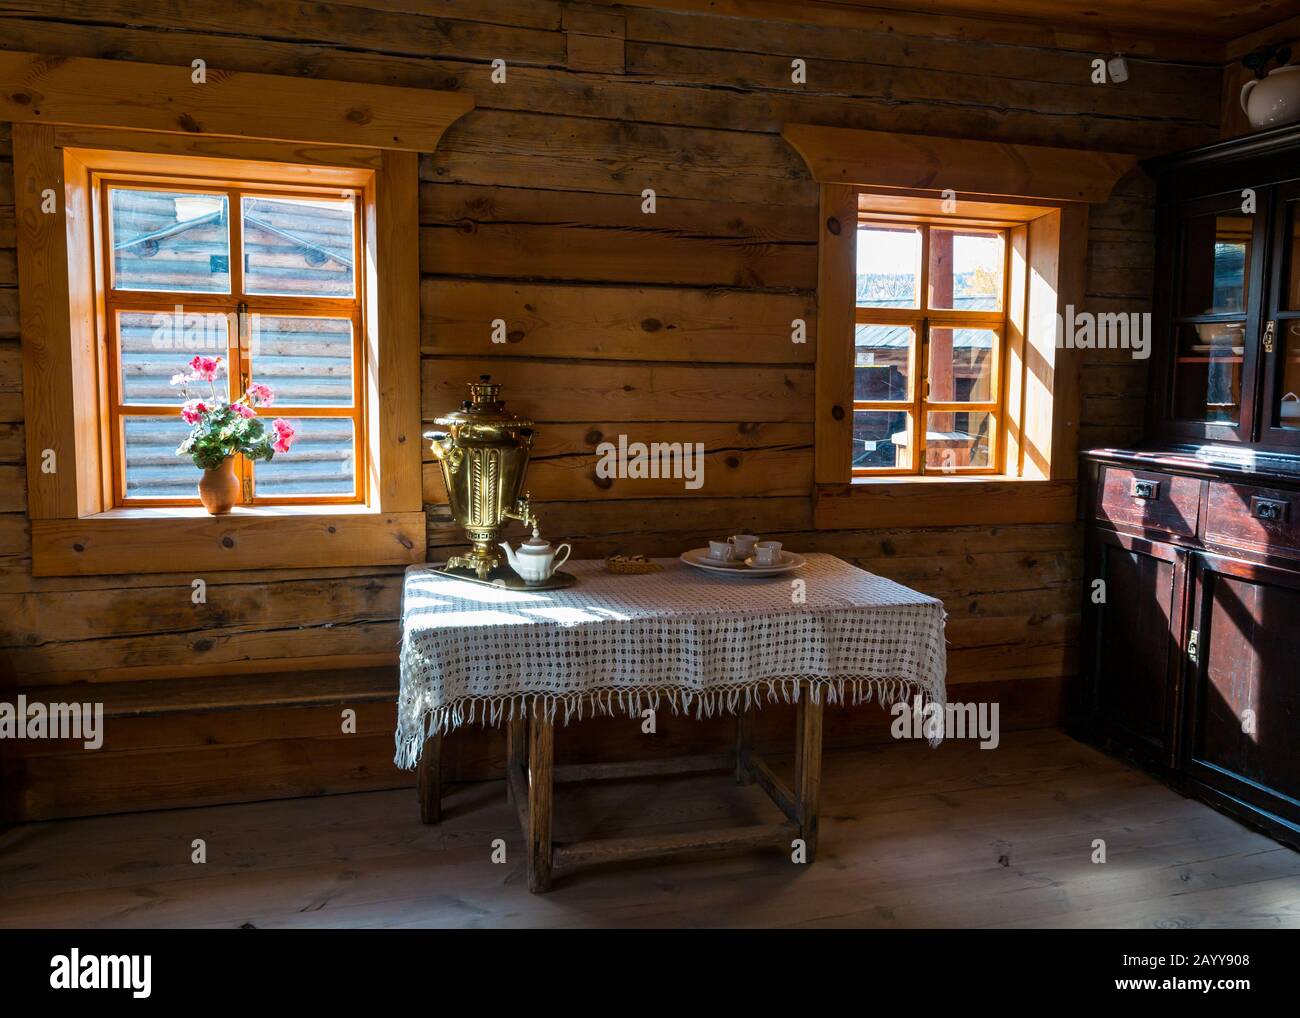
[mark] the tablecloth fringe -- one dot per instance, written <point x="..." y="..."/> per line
<point x="611" y="701"/>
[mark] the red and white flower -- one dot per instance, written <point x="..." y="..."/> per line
<point x="284" y="434"/>
<point x="205" y="368"/>
<point x="260" y="394"/>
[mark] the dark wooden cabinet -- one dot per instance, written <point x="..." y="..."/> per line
<point x="1243" y="704"/>
<point x="1191" y="654"/>
<point x="1135" y="590"/>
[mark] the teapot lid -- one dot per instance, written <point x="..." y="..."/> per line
<point x="484" y="407"/>
<point x="536" y="542"/>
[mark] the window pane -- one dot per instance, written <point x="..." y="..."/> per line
<point x="1289" y="374"/>
<point x="880" y="366"/>
<point x="1207" y="378"/>
<point x="170" y="240"/>
<point x="961" y="366"/>
<point x="1216" y="264"/>
<point x="307" y="361"/>
<point x="880" y="439"/>
<point x="1293" y="256"/>
<point x="298" y="246"/>
<point x="154" y="346"/>
<point x="153" y="470"/>
<point x="966" y="269"/>
<point x="957" y="440"/>
<point x="889" y="266"/>
<point x="319" y="462"/>
<point x="1288" y="407"/>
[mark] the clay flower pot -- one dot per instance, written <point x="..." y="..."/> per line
<point x="219" y="488"/>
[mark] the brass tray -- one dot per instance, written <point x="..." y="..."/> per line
<point x="510" y="580"/>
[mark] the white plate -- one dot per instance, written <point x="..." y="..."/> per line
<point x="699" y="558"/>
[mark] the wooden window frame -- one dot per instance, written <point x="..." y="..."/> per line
<point x="72" y="114"/>
<point x="1043" y="195"/>
<point x="238" y="353"/>
<point x="922" y="320"/>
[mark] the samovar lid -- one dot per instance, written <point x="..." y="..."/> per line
<point x="484" y="407"/>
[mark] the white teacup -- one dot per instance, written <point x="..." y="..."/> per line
<point x="721" y="551"/>
<point x="767" y="553"/>
<point x="744" y="544"/>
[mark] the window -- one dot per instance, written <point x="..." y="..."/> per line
<point x="1003" y="399"/>
<point x="274" y="156"/>
<point x="930" y="325"/>
<point x="262" y="283"/>
<point x="299" y="274"/>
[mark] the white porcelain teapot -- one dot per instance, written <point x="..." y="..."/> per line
<point x="536" y="560"/>
<point x="1274" y="99"/>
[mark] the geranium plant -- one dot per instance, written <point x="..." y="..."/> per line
<point x="221" y="428"/>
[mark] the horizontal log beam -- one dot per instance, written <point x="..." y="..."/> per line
<point x="925" y="503"/>
<point x="130" y="541"/>
<point x="582" y="391"/>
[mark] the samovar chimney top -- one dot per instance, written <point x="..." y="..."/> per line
<point x="484" y="408"/>
<point x="485" y="392"/>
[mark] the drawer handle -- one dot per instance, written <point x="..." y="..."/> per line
<point x="1270" y="510"/>
<point x="1145" y="489"/>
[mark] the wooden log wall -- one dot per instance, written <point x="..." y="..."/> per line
<point x="669" y="326"/>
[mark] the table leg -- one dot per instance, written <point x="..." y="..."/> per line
<point x="808" y="770"/>
<point x="541" y="746"/>
<point x="516" y="748"/>
<point x="429" y="780"/>
<point x="744" y="742"/>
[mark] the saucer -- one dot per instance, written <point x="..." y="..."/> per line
<point x="700" y="559"/>
<point x="789" y="561"/>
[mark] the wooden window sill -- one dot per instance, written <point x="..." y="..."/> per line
<point x="184" y="512"/>
<point x="188" y="540"/>
<point x="928" y="501"/>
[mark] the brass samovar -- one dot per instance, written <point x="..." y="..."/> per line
<point x="484" y="456"/>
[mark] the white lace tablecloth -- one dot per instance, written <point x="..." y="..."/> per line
<point x="700" y="642"/>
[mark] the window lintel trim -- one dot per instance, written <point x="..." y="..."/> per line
<point x="41" y="89"/>
<point x="884" y="159"/>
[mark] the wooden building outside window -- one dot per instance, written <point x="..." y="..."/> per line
<point x="260" y="278"/>
<point x="929" y="331"/>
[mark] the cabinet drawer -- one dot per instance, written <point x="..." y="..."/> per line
<point x="1149" y="501"/>
<point x="1262" y="520"/>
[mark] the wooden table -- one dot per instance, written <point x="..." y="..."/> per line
<point x="531" y="775"/>
<point x="699" y="642"/>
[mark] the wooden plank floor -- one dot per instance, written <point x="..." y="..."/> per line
<point x="910" y="837"/>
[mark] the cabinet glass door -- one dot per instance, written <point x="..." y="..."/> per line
<point x="1280" y="416"/>
<point x="1219" y="277"/>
